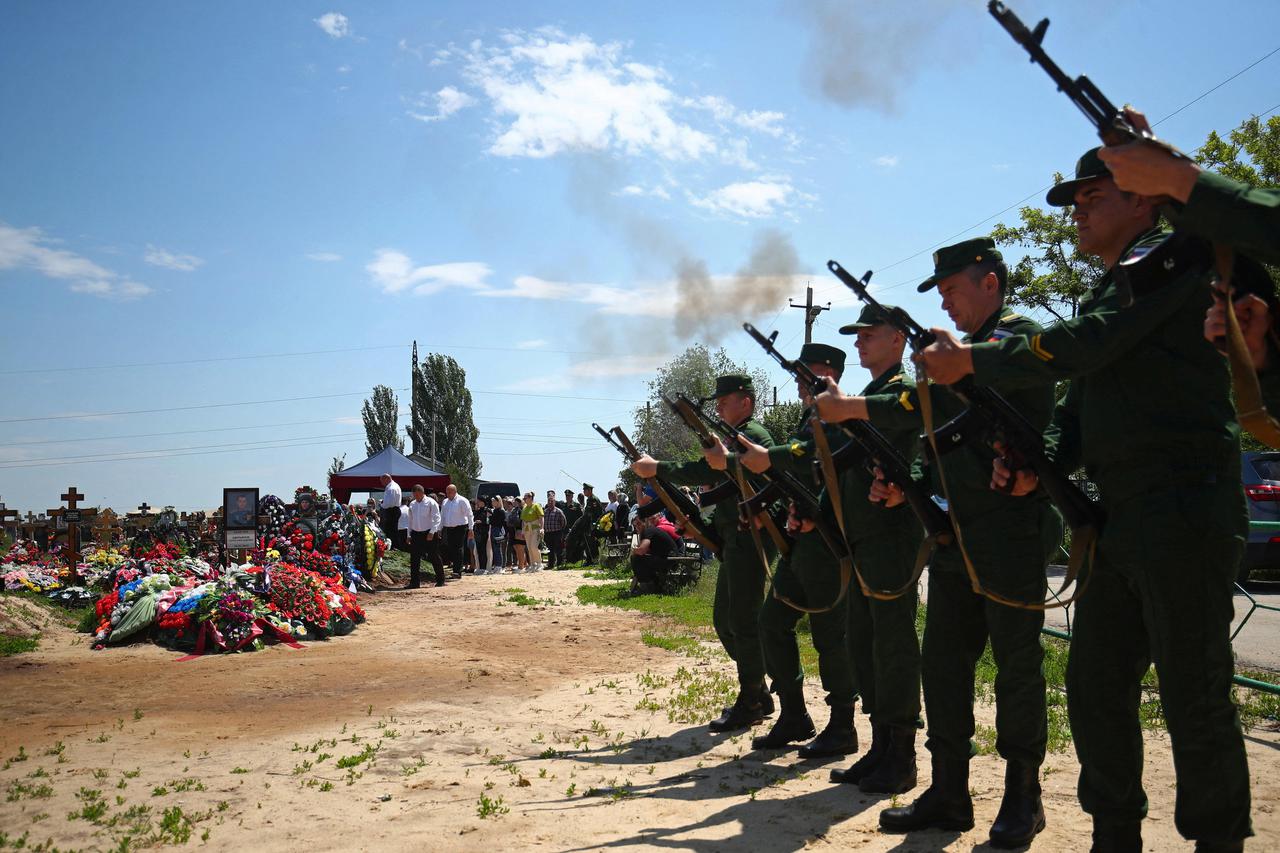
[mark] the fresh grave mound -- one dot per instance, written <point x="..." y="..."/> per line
<point x="301" y="582"/>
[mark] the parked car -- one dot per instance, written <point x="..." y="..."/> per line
<point x="1261" y="474"/>
<point x="491" y="488"/>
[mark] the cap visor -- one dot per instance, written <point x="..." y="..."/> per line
<point x="853" y="328"/>
<point x="927" y="285"/>
<point x="1065" y="193"/>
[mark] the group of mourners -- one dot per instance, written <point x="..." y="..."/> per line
<point x="1147" y="413"/>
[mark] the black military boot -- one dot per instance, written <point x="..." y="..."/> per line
<point x="869" y="760"/>
<point x="793" y="723"/>
<point x="838" y="738"/>
<point x="1021" y="815"/>
<point x="896" y="771"/>
<point x="1120" y="837"/>
<point x="746" y="711"/>
<point x="945" y="804"/>
<point x="1203" y="846"/>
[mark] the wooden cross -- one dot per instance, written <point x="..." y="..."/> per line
<point x="72" y="513"/>
<point x="105" y="528"/>
<point x="142" y="507"/>
<point x="5" y="515"/>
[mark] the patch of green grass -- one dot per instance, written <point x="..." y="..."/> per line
<point x="683" y="643"/>
<point x="487" y="807"/>
<point x="17" y="645"/>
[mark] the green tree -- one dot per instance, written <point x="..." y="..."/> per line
<point x="1250" y="153"/>
<point x="380" y="414"/>
<point x="657" y="431"/>
<point x="338" y="465"/>
<point x="441" y="398"/>
<point x="781" y="420"/>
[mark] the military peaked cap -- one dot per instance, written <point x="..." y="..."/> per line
<point x="1088" y="167"/>
<point x="949" y="260"/>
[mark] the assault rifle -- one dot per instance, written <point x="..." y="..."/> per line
<point x="672" y="498"/>
<point x="876" y="450"/>
<point x="988" y="418"/>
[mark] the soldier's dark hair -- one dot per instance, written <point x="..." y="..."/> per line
<point x="979" y="271"/>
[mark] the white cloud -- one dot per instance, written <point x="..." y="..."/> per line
<point x="603" y="368"/>
<point x="639" y="191"/>
<point x="749" y="199"/>
<point x="555" y="93"/>
<point x="886" y="161"/>
<point x="447" y="102"/>
<point x="538" y="343"/>
<point x="334" y="23"/>
<point x="29" y="248"/>
<point x="394" y="272"/>
<point x="636" y="301"/>
<point x="159" y="257"/>
<point x="344" y="69"/>
<point x="324" y="257"/>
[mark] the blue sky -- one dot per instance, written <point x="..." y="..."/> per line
<point x="543" y="191"/>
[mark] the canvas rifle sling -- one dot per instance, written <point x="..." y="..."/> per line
<point x="1084" y="542"/>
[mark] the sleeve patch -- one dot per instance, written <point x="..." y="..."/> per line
<point x="905" y="401"/>
<point x="999" y="335"/>
<point x="797" y="449"/>
<point x="1038" y="350"/>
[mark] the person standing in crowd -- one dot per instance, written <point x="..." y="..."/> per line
<point x="516" y="526"/>
<point x="531" y="519"/>
<point x="592" y="510"/>
<point x="553" y="524"/>
<point x="480" y="519"/>
<point x="497" y="534"/>
<point x="390" y="514"/>
<point x="572" y="512"/>
<point x="455" y="517"/>
<point x="424" y="517"/>
<point x="402" y="527"/>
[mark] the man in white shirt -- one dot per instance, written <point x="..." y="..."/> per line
<point x="390" y="510"/>
<point x="424" y="521"/>
<point x="457" y="521"/>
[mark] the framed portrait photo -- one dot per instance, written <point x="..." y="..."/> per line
<point x="240" y="509"/>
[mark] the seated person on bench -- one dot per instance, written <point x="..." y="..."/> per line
<point x="656" y="541"/>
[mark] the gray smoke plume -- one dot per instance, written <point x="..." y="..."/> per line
<point x="708" y="312"/>
<point x="706" y="308"/>
<point x="865" y="51"/>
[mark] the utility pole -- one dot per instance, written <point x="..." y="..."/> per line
<point x="811" y="312"/>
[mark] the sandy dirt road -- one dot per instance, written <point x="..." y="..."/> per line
<point x="462" y="721"/>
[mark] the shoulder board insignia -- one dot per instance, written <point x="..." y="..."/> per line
<point x="904" y="400"/>
<point x="797" y="449"/>
<point x="897" y="378"/>
<point x="999" y="335"/>
<point x="1010" y="316"/>
<point x="1038" y="350"/>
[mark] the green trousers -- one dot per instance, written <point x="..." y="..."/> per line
<point x="810" y="576"/>
<point x="1162" y="594"/>
<point x="1010" y="551"/>
<point x="881" y="635"/>
<point x="740" y="587"/>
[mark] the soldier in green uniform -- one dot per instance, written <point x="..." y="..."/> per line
<point x="1010" y="541"/>
<point x="1166" y="458"/>
<point x="808" y="575"/>
<point x="1225" y="211"/>
<point x="741" y="581"/>
<point x="885" y="538"/>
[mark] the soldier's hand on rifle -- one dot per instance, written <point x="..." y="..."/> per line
<point x="883" y="490"/>
<point x="946" y="360"/>
<point x="1026" y="480"/>
<point x="1255" y="322"/>
<point x="796" y="524"/>
<point x="1148" y="169"/>
<point x="753" y="456"/>
<point x="716" y="455"/>
<point x="832" y="403"/>
<point x="645" y="467"/>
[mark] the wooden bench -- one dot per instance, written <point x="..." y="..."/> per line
<point x="681" y="571"/>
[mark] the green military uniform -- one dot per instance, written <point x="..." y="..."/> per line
<point x="880" y="634"/>
<point x="1165" y="457"/>
<point x="1247" y="219"/>
<point x="809" y="576"/>
<point x="740" y="584"/>
<point x="1010" y="541"/>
